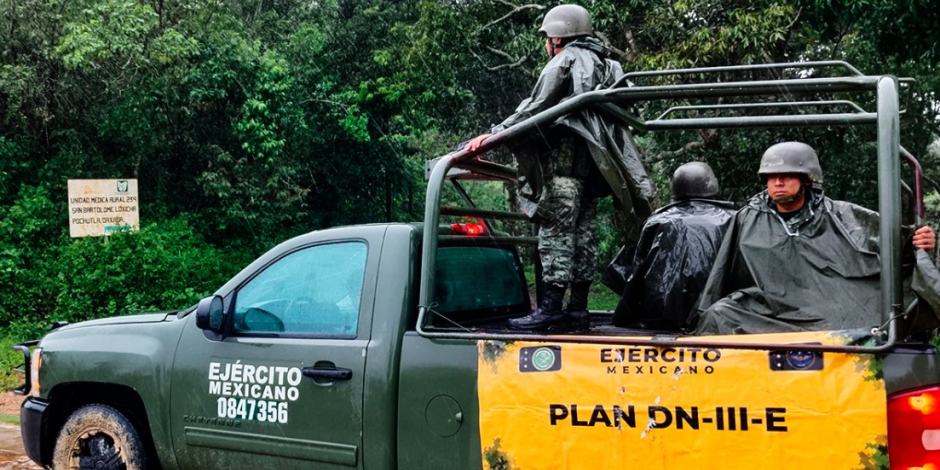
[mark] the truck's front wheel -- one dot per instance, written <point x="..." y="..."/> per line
<point x="99" y="437"/>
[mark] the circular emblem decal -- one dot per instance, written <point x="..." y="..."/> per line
<point x="801" y="359"/>
<point x="543" y="359"/>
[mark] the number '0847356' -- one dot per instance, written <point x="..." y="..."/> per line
<point x="248" y="408"/>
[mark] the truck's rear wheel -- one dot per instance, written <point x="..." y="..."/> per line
<point x="101" y="438"/>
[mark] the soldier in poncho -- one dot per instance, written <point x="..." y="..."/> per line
<point x="565" y="169"/>
<point x="677" y="248"/>
<point x="795" y="260"/>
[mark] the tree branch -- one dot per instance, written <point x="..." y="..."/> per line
<point x="631" y="40"/>
<point x="668" y="155"/>
<point x="790" y="28"/>
<point x="835" y="48"/>
<point x="494" y="68"/>
<point x="624" y="55"/>
<point x="795" y="18"/>
<point x="257" y="13"/>
<point x="13" y="27"/>
<point x="500" y="53"/>
<point x="515" y="9"/>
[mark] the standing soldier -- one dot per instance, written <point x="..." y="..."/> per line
<point x="587" y="157"/>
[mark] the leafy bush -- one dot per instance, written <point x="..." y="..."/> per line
<point x="8" y="360"/>
<point x="46" y="276"/>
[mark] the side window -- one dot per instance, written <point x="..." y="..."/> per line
<point x="314" y="291"/>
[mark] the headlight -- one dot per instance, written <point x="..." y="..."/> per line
<point x="35" y="364"/>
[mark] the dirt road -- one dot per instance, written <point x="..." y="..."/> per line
<point x="10" y="404"/>
<point x="12" y="456"/>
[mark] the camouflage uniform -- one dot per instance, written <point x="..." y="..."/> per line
<point x="568" y="218"/>
<point x="565" y="167"/>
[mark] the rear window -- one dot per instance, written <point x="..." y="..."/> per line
<point x="474" y="284"/>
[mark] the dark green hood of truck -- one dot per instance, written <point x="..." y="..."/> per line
<point x="125" y="320"/>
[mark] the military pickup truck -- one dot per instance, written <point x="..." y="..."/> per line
<point x="385" y="347"/>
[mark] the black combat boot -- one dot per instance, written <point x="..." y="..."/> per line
<point x="578" y="303"/>
<point x="548" y="315"/>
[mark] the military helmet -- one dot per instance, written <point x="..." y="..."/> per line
<point x="567" y="21"/>
<point x="694" y="180"/>
<point x="792" y="157"/>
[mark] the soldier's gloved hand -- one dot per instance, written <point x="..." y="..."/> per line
<point x="476" y="142"/>
<point x="925" y="238"/>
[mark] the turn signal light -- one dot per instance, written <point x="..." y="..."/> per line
<point x="914" y="429"/>
<point x="35" y="365"/>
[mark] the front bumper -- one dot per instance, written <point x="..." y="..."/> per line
<point x="31" y="419"/>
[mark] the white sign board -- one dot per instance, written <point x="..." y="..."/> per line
<point x="99" y="207"/>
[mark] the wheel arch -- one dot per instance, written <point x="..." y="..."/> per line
<point x="66" y="398"/>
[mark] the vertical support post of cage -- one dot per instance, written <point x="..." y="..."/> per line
<point x="432" y="215"/>
<point x="889" y="200"/>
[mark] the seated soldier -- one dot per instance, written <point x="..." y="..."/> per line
<point x="795" y="260"/>
<point x="675" y="253"/>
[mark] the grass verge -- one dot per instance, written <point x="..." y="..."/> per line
<point x="10" y="419"/>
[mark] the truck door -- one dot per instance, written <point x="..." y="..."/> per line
<point x="284" y="389"/>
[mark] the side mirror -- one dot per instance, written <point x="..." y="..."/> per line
<point x="210" y="313"/>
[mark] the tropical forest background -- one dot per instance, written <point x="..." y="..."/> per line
<point x="246" y="122"/>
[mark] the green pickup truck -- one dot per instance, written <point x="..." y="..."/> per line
<point x="386" y="346"/>
<point x="292" y="377"/>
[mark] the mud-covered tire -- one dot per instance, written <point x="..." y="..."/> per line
<point x="99" y="437"/>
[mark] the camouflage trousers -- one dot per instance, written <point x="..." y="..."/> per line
<point x="567" y="246"/>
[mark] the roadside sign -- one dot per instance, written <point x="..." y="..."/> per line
<point x="99" y="207"/>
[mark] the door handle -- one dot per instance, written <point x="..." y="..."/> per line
<point x="327" y="373"/>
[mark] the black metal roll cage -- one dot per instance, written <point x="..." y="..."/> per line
<point x="613" y="102"/>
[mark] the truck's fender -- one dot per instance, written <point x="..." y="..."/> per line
<point x="128" y="365"/>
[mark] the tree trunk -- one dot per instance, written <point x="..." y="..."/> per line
<point x="12" y="28"/>
<point x="388" y="198"/>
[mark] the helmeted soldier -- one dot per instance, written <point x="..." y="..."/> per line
<point x="677" y="247"/>
<point x="796" y="260"/>
<point x="694" y="180"/>
<point x="563" y="180"/>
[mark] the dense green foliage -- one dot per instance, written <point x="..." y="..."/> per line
<point x="56" y="279"/>
<point x="246" y="122"/>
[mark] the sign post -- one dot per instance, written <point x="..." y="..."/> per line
<point x="99" y="207"/>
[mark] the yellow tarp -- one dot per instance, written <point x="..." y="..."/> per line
<point x="582" y="406"/>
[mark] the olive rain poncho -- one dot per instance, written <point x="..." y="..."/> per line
<point x="582" y="66"/>
<point x="821" y="274"/>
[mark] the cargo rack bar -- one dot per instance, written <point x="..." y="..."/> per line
<point x="784" y="104"/>
<point x="745" y="68"/>
<point x="889" y="186"/>
<point x="810" y="65"/>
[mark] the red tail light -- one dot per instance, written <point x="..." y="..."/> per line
<point x="914" y="429"/>
<point x="467" y="229"/>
